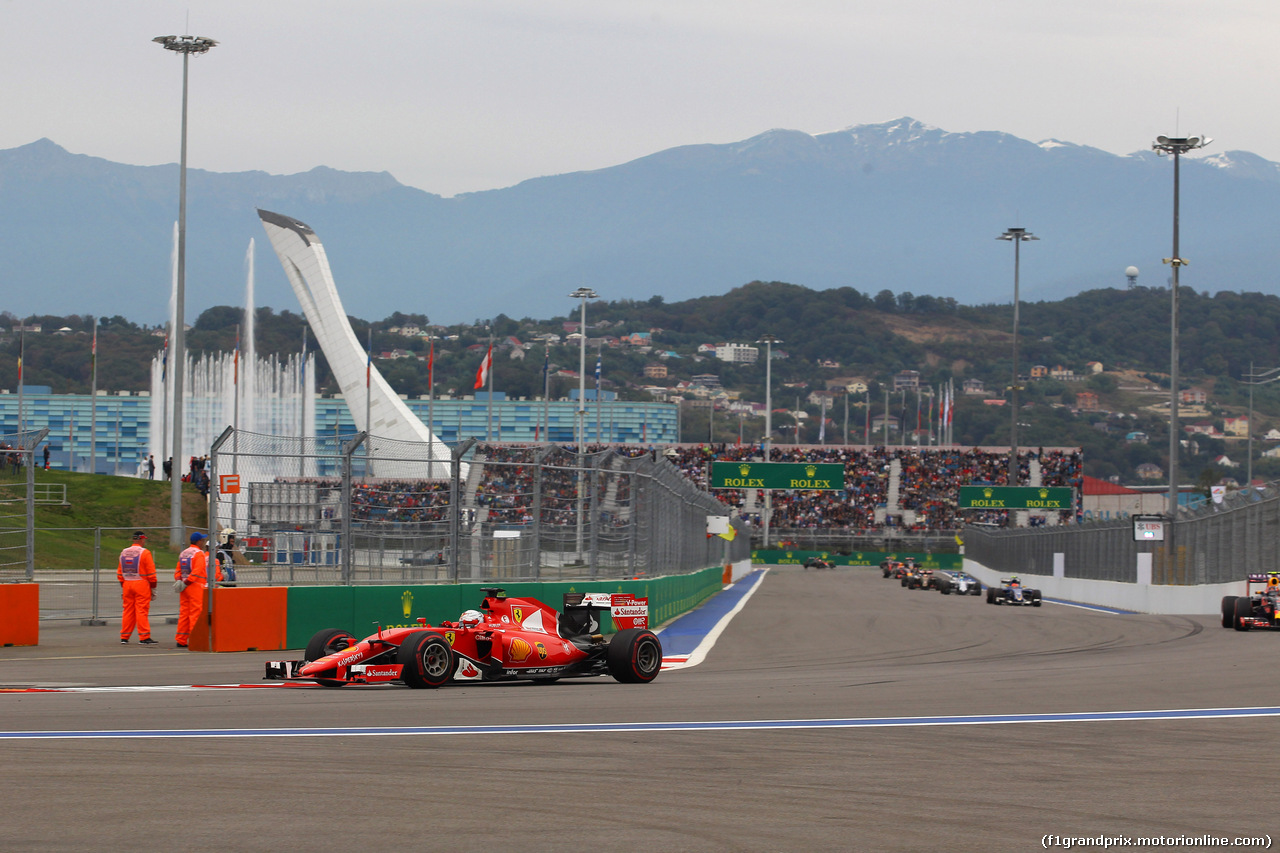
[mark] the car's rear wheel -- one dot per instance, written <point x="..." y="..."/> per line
<point x="1229" y="611"/>
<point x="634" y="656"/>
<point x="945" y="588"/>
<point x="1244" y="609"/>
<point x="976" y="590"/>
<point x="426" y="659"/>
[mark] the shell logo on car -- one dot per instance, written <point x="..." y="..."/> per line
<point x="519" y="650"/>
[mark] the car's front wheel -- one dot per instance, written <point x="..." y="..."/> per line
<point x="426" y="659"/>
<point x="1244" y="608"/>
<point x="1229" y="610"/>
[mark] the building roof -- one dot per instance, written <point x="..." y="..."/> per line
<point x="1094" y="486"/>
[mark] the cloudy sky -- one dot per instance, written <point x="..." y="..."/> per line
<point x="462" y="95"/>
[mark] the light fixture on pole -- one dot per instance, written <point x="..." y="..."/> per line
<point x="186" y="45"/>
<point x="1177" y="146"/>
<point x="1017" y="236"/>
<point x="583" y="293"/>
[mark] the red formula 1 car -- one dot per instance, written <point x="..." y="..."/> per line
<point x="1259" y="607"/>
<point x="507" y="638"/>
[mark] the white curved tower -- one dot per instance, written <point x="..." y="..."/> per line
<point x="307" y="268"/>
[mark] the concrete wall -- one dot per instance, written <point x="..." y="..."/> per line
<point x="1139" y="597"/>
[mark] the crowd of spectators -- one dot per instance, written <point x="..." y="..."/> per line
<point x="928" y="485"/>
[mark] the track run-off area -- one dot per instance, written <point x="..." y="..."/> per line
<point x="801" y="709"/>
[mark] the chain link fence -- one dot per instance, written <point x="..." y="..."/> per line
<point x="369" y="510"/>
<point x="1212" y="543"/>
<point x="17" y="505"/>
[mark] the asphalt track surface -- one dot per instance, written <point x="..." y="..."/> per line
<point x="871" y="717"/>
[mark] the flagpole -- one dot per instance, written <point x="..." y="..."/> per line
<point x="164" y="402"/>
<point x="302" y="406"/>
<point x="488" y="427"/>
<point x="22" y="351"/>
<point x="546" y="394"/>
<point x="235" y="417"/>
<point x="431" y="402"/>
<point x="368" y="406"/>
<point x="597" y="396"/>
<point x="93" y="402"/>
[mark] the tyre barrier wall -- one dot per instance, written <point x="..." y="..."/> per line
<point x="1203" y="599"/>
<point x="20" y="614"/>
<point x="924" y="559"/>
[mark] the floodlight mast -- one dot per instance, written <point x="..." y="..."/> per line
<point x="186" y="45"/>
<point x="1017" y="236"/>
<point x="1177" y="146"/>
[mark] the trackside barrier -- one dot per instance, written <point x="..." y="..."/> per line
<point x="246" y="619"/>
<point x="924" y="559"/>
<point x="734" y="572"/>
<point x="361" y="609"/>
<point x="20" y="614"/>
<point x="1202" y="599"/>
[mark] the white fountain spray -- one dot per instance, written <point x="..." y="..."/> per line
<point x="248" y="419"/>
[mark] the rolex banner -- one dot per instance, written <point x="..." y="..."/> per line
<point x="1017" y="497"/>
<point x="777" y="475"/>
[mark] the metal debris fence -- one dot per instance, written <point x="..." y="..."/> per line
<point x="1212" y="543"/>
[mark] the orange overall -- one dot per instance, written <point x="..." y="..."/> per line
<point x="191" y="568"/>
<point x="136" y="573"/>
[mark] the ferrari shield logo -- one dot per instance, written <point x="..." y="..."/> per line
<point x="517" y="613"/>
<point x="448" y="637"/>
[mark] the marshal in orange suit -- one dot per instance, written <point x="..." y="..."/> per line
<point x="136" y="573"/>
<point x="192" y="575"/>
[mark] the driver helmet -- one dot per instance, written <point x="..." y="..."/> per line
<point x="1015" y="581"/>
<point x="470" y="618"/>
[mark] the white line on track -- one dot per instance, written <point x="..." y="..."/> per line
<point x="680" y="726"/>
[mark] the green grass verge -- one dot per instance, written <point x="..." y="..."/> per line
<point x="118" y="505"/>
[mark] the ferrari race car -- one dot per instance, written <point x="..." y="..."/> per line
<point x="892" y="568"/>
<point x="1258" y="607"/>
<point x="1011" y="591"/>
<point x="960" y="583"/>
<point x="508" y="638"/>
<point x="818" y="563"/>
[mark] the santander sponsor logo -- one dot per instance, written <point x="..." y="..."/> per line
<point x="382" y="672"/>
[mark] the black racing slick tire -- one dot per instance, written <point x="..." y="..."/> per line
<point x="427" y="660"/>
<point x="327" y="642"/>
<point x="991" y="596"/>
<point x="1244" y="608"/>
<point x="634" y="656"/>
<point x="977" y="590"/>
<point x="1229" y="611"/>
<point x="945" y="588"/>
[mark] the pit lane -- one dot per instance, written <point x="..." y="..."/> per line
<point x="840" y="645"/>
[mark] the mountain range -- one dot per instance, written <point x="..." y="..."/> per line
<point x="897" y="206"/>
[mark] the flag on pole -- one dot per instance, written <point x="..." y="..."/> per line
<point x="235" y="360"/>
<point x="486" y="364"/>
<point x="164" y="359"/>
<point x="431" y="366"/>
<point x="597" y="375"/>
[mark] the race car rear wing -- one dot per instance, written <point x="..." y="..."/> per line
<point x="581" y="614"/>
<point x="1261" y="577"/>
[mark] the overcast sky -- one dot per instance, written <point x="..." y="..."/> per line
<point x="455" y="96"/>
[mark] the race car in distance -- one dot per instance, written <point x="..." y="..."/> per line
<point x="960" y="583"/>
<point x="922" y="579"/>
<point x="1011" y="591"/>
<point x="1257" y="608"/>
<point x="507" y="638"/>
<point x="818" y="563"/>
<point x="893" y="568"/>
<point x="906" y="569"/>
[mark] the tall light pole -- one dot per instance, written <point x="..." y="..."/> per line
<point x="1018" y="236"/>
<point x="1177" y="146"/>
<point x="583" y="293"/>
<point x="186" y="45"/>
